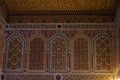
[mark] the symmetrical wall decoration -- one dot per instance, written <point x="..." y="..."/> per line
<point x="81" y="58"/>
<point x="14" y="54"/>
<point x="64" y="52"/>
<point x="58" y="54"/>
<point x="36" y="54"/>
<point x="102" y="54"/>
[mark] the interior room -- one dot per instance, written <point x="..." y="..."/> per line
<point x="60" y="39"/>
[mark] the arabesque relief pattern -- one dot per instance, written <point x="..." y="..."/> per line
<point x="58" y="54"/>
<point x="60" y="51"/>
<point x="102" y="54"/>
<point x="14" y="54"/>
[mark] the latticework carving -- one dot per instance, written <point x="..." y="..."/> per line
<point x="81" y="54"/>
<point x="36" y="54"/>
<point x="102" y="54"/>
<point x="14" y="54"/>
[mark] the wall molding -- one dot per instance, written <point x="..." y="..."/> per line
<point x="30" y="26"/>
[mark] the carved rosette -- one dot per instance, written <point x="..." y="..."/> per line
<point x="58" y="54"/>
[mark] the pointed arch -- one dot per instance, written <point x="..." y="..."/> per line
<point x="102" y="50"/>
<point x="80" y="55"/>
<point x="58" y="54"/>
<point x="36" y="60"/>
<point x="14" y="54"/>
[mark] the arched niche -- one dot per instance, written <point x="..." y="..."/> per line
<point x="102" y="52"/>
<point x="14" y="54"/>
<point x="37" y="54"/>
<point x="58" y="54"/>
<point x="80" y="55"/>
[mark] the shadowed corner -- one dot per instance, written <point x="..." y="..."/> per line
<point x="2" y="77"/>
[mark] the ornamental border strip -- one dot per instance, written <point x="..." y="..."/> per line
<point x="58" y="25"/>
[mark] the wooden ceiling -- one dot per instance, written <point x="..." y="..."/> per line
<point x="37" y="5"/>
<point x="27" y="6"/>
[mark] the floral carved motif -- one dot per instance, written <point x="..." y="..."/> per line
<point x="58" y="55"/>
<point x="14" y="55"/>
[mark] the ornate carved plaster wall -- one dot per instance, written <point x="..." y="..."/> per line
<point x="60" y="51"/>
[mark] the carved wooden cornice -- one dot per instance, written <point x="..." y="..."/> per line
<point x="65" y="12"/>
